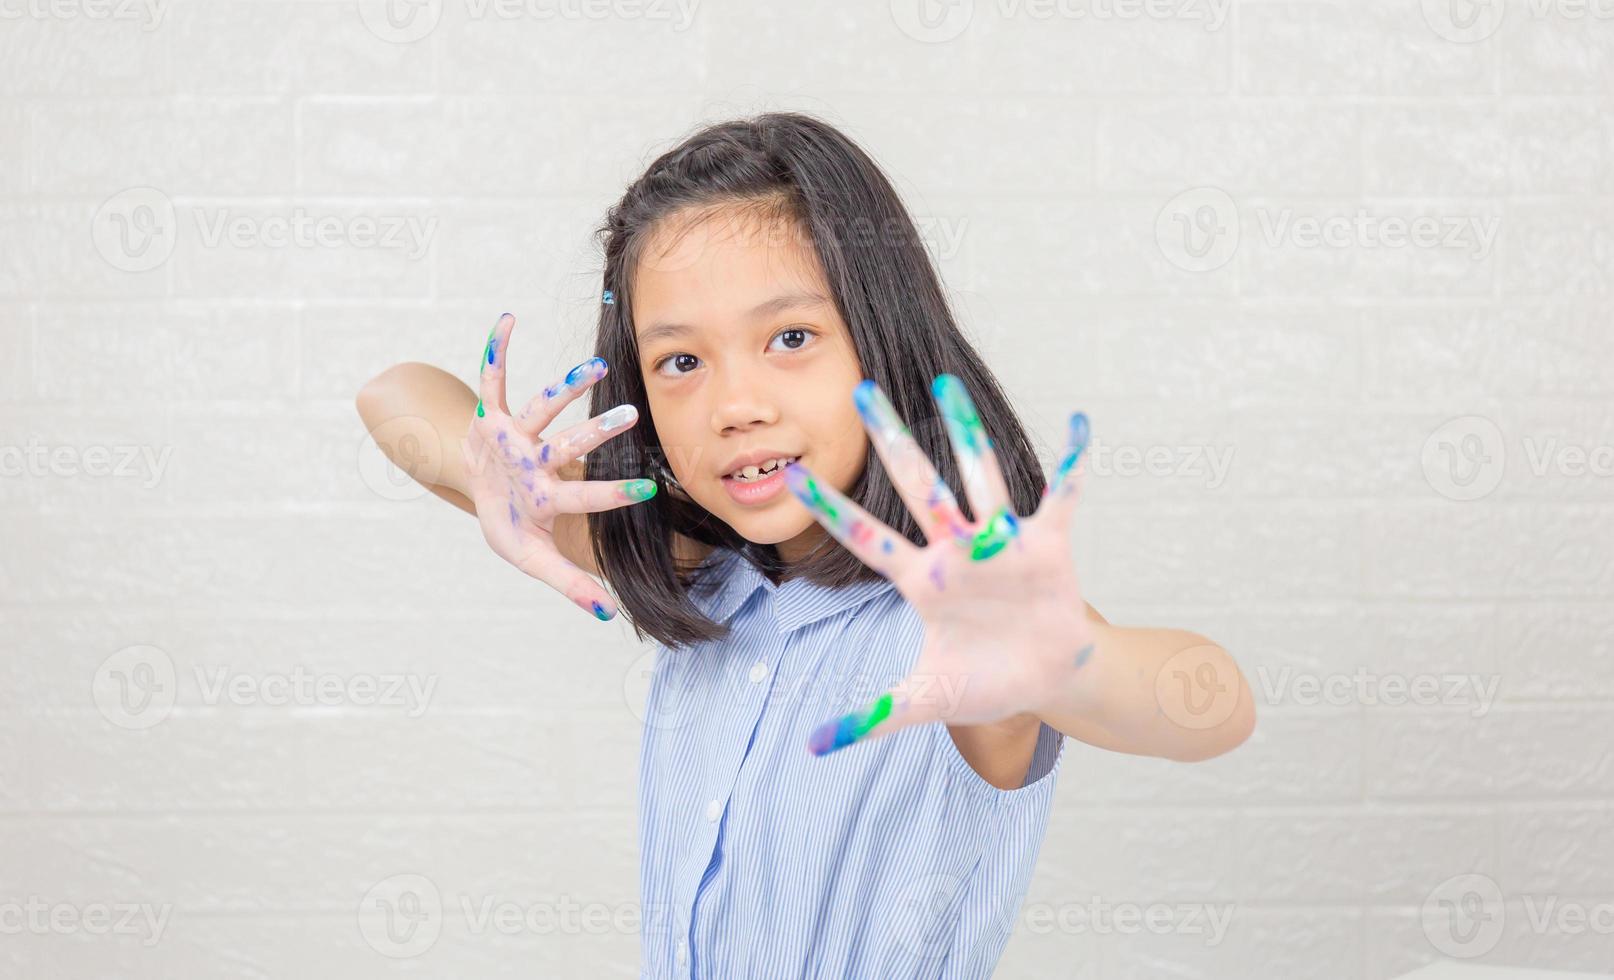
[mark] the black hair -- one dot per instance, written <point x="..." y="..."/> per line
<point x="804" y="170"/>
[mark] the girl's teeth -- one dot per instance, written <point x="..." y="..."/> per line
<point x="752" y="472"/>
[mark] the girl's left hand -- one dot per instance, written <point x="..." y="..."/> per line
<point x="1006" y="628"/>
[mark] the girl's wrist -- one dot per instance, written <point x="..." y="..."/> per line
<point x="1078" y="685"/>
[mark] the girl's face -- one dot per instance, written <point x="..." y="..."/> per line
<point x="745" y="357"/>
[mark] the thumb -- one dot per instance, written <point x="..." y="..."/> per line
<point x="890" y="712"/>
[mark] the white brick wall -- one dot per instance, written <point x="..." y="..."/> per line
<point x="1060" y="161"/>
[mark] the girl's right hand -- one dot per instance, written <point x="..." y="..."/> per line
<point x="514" y="472"/>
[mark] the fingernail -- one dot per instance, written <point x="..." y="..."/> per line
<point x="639" y="489"/>
<point x="589" y="370"/>
<point x="617" y="417"/>
<point x="863" y="395"/>
<point x="959" y="412"/>
<point x="877" y="411"/>
<point x="601" y="613"/>
<point x="1080" y="431"/>
<point x="479" y="412"/>
<point x="848" y="728"/>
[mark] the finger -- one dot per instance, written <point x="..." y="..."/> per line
<point x="875" y="544"/>
<point x="543" y="407"/>
<point x="926" y="494"/>
<point x="491" y="382"/>
<point x="544" y="562"/>
<point x="1064" y="489"/>
<point x="983" y="479"/>
<point x="571" y="443"/>
<point x="593" y="496"/>
<point x="890" y="712"/>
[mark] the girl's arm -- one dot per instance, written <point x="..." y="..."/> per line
<point x="419" y="415"/>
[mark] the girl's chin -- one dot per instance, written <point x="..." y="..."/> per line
<point x="776" y="529"/>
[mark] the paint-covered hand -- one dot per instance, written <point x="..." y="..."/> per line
<point x="514" y="472"/>
<point x="1006" y="630"/>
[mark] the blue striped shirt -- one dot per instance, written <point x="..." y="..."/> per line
<point x="888" y="859"/>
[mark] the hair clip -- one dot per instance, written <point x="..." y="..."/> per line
<point x="609" y="298"/>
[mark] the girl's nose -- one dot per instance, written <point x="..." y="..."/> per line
<point x="743" y="403"/>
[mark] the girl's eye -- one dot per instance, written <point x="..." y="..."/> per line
<point x="677" y="360"/>
<point x="802" y="332"/>
<point x="796" y="339"/>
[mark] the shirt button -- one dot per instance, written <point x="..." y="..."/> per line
<point x="683" y="952"/>
<point x="714" y="809"/>
<point x="759" y="670"/>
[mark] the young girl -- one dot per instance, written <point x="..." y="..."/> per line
<point x="862" y="685"/>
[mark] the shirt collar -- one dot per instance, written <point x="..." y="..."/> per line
<point x="796" y="602"/>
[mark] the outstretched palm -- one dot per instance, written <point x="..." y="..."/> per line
<point x="517" y="477"/>
<point x="1005" y="622"/>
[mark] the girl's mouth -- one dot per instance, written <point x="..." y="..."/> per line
<point x="756" y="485"/>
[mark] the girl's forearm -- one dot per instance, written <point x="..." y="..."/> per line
<point x="418" y="414"/>
<point x="1160" y="692"/>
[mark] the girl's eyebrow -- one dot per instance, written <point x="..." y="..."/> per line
<point x="778" y="304"/>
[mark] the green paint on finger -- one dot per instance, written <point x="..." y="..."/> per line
<point x="639" y="489"/>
